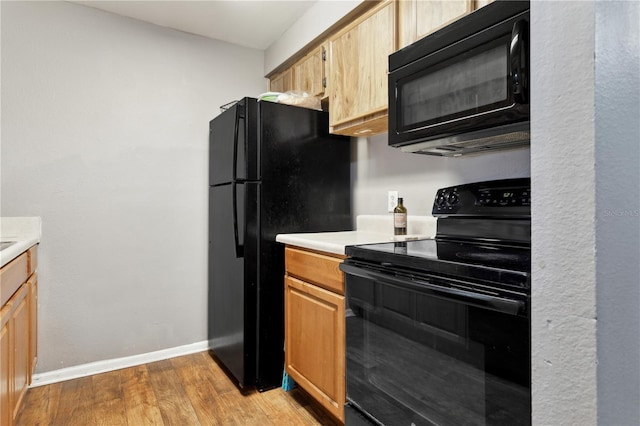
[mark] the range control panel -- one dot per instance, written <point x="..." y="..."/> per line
<point x="497" y="198"/>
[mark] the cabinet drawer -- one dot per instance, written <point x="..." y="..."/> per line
<point x="12" y="276"/>
<point x="315" y="267"/>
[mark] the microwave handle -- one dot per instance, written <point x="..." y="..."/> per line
<point x="518" y="53"/>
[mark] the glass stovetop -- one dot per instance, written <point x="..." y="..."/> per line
<point x="496" y="263"/>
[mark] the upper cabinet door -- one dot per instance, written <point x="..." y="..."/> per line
<point x="282" y="82"/>
<point x="358" y="67"/>
<point x="309" y="73"/>
<point x="419" y="18"/>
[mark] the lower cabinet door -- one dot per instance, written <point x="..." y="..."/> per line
<point x="6" y="411"/>
<point x="314" y="345"/>
<point x="33" y="323"/>
<point x="21" y="363"/>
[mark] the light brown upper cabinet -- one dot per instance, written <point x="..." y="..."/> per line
<point x="357" y="72"/>
<point x="309" y="72"/>
<point x="305" y="75"/>
<point x="421" y="17"/>
<point x="282" y="82"/>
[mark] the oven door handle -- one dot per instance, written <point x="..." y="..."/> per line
<point x="481" y="300"/>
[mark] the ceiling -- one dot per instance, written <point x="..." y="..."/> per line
<point x="250" y="23"/>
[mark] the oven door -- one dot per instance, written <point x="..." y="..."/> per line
<point x="425" y="352"/>
<point x="475" y="88"/>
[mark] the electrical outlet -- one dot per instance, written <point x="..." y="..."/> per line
<point x="392" y="200"/>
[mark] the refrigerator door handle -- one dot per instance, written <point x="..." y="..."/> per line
<point x="236" y="234"/>
<point x="236" y="130"/>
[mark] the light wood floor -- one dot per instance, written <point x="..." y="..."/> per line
<point x="182" y="391"/>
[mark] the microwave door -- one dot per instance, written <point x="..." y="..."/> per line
<point x="462" y="95"/>
<point x="463" y="88"/>
<point x="468" y="99"/>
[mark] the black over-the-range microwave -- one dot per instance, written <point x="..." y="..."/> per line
<point x="464" y="88"/>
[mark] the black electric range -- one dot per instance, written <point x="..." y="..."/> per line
<point x="438" y="329"/>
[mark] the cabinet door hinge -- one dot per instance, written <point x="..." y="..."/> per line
<point x="324" y="82"/>
<point x="324" y="54"/>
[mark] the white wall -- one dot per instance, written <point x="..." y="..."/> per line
<point x="563" y="257"/>
<point x="104" y="135"/>
<point x="379" y="168"/>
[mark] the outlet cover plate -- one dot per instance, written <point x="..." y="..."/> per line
<point x="392" y="200"/>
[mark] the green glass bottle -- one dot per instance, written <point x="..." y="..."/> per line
<point x="400" y="219"/>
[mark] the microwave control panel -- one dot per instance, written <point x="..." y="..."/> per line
<point x="499" y="198"/>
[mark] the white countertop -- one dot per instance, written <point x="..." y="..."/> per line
<point x="370" y="229"/>
<point x="25" y="231"/>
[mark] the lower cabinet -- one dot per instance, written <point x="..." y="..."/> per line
<point x="17" y="333"/>
<point x="21" y="338"/>
<point x="6" y="411"/>
<point x="314" y="326"/>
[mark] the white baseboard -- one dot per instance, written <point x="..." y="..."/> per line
<point x="97" y="367"/>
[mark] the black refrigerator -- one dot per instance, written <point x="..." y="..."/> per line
<point x="273" y="169"/>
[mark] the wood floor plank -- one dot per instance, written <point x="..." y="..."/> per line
<point x="108" y="403"/>
<point x="173" y="402"/>
<point x="141" y="405"/>
<point x="75" y="403"/>
<point x="251" y="413"/>
<point x="40" y="405"/>
<point x="196" y="375"/>
<point x="222" y="408"/>
<point x="281" y="409"/>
